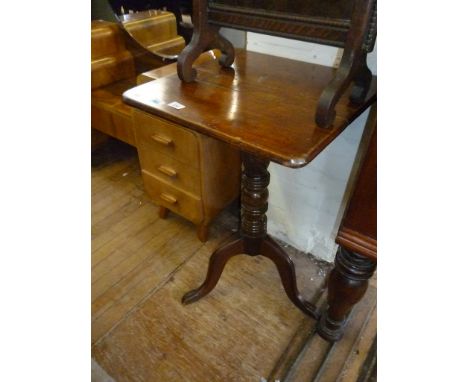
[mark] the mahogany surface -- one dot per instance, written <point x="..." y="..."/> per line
<point x="358" y="230"/>
<point x="348" y="23"/>
<point x="264" y="105"/>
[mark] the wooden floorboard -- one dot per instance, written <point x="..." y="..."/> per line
<point x="245" y="330"/>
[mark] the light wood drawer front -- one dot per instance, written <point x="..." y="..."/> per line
<point x="102" y="120"/>
<point x="172" y="198"/>
<point x="167" y="138"/>
<point x="124" y="128"/>
<point x="169" y="169"/>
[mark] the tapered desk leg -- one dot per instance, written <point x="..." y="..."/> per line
<point x="347" y="284"/>
<point x="163" y="212"/>
<point x="253" y="239"/>
<point x="202" y="232"/>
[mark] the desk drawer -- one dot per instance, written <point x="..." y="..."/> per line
<point x="166" y="138"/>
<point x="169" y="169"/>
<point x="172" y="198"/>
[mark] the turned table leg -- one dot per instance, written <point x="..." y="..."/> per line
<point x="347" y="284"/>
<point x="253" y="238"/>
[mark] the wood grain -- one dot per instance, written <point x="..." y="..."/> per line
<point x="243" y="331"/>
<point x="170" y="170"/>
<point x="155" y="132"/>
<point x="358" y="231"/>
<point x="321" y="361"/>
<point x="246" y="105"/>
<point x="112" y="72"/>
<point x="186" y="172"/>
<point x="156" y="31"/>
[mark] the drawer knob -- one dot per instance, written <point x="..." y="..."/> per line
<point x="168" y="198"/>
<point x="167" y="171"/>
<point x="162" y="140"/>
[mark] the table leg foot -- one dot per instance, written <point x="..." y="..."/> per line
<point x="218" y="260"/>
<point x="287" y="272"/>
<point x="347" y="284"/>
<point x="268" y="248"/>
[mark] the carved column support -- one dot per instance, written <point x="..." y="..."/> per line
<point x="254" y="202"/>
<point x="347" y="284"/>
<point x="205" y="36"/>
<point x="254" y="240"/>
<point x="353" y="65"/>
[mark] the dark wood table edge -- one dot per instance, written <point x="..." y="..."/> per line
<point x="260" y="152"/>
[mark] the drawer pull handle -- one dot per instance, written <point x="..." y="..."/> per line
<point x="167" y="171"/>
<point x="168" y="198"/>
<point x="162" y="140"/>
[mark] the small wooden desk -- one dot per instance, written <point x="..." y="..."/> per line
<point x="264" y="106"/>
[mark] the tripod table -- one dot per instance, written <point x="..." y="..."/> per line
<point x="265" y="107"/>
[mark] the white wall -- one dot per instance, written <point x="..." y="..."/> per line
<point x="236" y="37"/>
<point x="305" y="204"/>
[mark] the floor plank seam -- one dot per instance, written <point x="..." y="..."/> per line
<point x="367" y="371"/>
<point x="324" y="362"/>
<point x="149" y="294"/>
<point x="300" y="355"/>
<point x="289" y="354"/>
<point x="332" y="349"/>
<point x="358" y="338"/>
<point x="161" y="284"/>
<point x="149" y="222"/>
<point x="126" y="273"/>
<point x="133" y="235"/>
<point x="141" y="331"/>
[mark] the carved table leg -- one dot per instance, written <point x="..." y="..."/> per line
<point x="362" y="82"/>
<point x="287" y="272"/>
<point x="205" y="36"/>
<point x="352" y="67"/>
<point x="347" y="284"/>
<point x="218" y="260"/>
<point x="254" y="240"/>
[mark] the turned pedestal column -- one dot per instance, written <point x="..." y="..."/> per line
<point x="253" y="240"/>
<point x="234" y="106"/>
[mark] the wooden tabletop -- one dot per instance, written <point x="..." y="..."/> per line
<point x="263" y="105"/>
